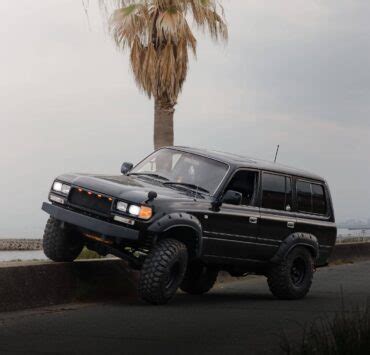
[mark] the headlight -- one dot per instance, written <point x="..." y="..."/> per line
<point x="134" y="210"/>
<point x="142" y="212"/>
<point x="62" y="188"/>
<point x="121" y="206"/>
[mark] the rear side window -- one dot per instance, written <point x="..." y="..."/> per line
<point x="276" y="192"/>
<point x="304" y="196"/>
<point x="318" y="199"/>
<point x="311" y="197"/>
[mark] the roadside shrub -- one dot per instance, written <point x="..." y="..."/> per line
<point x="348" y="333"/>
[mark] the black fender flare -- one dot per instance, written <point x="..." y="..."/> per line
<point x="179" y="219"/>
<point x="296" y="239"/>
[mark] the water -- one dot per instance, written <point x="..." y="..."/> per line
<point x="22" y="255"/>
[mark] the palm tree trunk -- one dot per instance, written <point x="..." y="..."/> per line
<point x="163" y="122"/>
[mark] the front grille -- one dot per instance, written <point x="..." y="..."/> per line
<point x="90" y="201"/>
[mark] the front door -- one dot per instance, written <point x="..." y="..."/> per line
<point x="231" y="232"/>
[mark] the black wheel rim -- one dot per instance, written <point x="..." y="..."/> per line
<point x="173" y="275"/>
<point x="298" y="271"/>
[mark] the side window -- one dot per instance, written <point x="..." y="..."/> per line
<point x="289" y="193"/>
<point x="311" y="197"/>
<point x="304" y="196"/>
<point x="276" y="192"/>
<point x="318" y="199"/>
<point x="244" y="182"/>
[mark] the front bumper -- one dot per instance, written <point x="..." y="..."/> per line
<point x="95" y="225"/>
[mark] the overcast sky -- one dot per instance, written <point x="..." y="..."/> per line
<point x="294" y="73"/>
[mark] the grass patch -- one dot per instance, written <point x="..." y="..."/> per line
<point x="341" y="262"/>
<point x="89" y="254"/>
<point x="348" y="333"/>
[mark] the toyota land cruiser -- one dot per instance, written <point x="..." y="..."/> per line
<point x="181" y="215"/>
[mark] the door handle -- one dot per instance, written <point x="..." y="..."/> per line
<point x="291" y="224"/>
<point x="253" y="220"/>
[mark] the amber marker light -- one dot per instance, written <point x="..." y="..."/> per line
<point x="145" y="212"/>
<point x="89" y="193"/>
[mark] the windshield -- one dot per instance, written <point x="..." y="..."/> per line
<point x="183" y="169"/>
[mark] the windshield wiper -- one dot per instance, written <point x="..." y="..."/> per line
<point x="156" y="176"/>
<point x="185" y="184"/>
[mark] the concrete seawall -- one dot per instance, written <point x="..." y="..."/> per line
<point x="350" y="252"/>
<point x="20" y="244"/>
<point x="35" y="284"/>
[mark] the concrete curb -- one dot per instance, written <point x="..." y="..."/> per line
<point x="38" y="284"/>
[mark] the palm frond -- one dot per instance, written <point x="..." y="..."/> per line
<point x="158" y="36"/>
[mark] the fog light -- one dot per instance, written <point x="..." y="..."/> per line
<point x="124" y="220"/>
<point x="57" y="199"/>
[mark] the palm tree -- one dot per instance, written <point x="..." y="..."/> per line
<point x="158" y="36"/>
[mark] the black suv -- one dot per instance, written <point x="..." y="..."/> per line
<point x="181" y="215"/>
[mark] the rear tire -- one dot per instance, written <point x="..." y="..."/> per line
<point x="163" y="271"/>
<point x="61" y="244"/>
<point x="292" y="278"/>
<point x="198" y="279"/>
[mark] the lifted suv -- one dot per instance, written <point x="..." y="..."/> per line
<point x="181" y="215"/>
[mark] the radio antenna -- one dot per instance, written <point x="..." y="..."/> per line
<point x="277" y="152"/>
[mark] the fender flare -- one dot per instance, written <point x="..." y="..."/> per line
<point x="296" y="239"/>
<point x="179" y="219"/>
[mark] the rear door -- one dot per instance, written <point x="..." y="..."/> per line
<point x="277" y="220"/>
<point x="314" y="214"/>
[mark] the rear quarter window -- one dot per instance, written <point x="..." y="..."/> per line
<point x="311" y="197"/>
<point x="318" y="199"/>
<point x="304" y="196"/>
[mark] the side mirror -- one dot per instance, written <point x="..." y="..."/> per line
<point x="126" y="167"/>
<point x="232" y="197"/>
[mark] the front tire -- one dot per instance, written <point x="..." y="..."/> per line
<point x="292" y="278"/>
<point x="198" y="279"/>
<point x="163" y="271"/>
<point x="61" y="244"/>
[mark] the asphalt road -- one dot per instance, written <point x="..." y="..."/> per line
<point x="236" y="318"/>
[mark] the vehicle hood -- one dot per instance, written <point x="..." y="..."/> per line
<point x="128" y="188"/>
